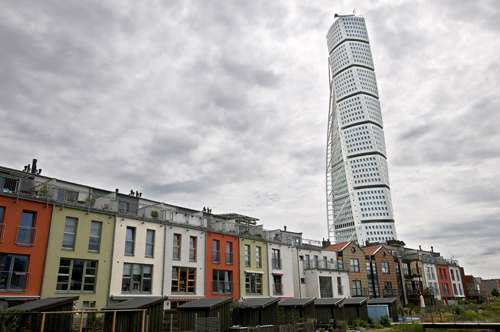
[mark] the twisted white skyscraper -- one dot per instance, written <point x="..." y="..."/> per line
<point x="359" y="204"/>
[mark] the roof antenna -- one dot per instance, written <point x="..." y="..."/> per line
<point x="354" y="12"/>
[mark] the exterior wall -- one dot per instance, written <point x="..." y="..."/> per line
<point x="444" y="278"/>
<point x="487" y="285"/>
<point x="253" y="268"/>
<point x="117" y="288"/>
<point x="32" y="280"/>
<point x="184" y="260"/>
<point x="456" y="282"/>
<point x="281" y="269"/>
<point x="347" y="254"/>
<point x="80" y="251"/>
<point x="222" y="264"/>
<point x="384" y="255"/>
<point x="431" y="279"/>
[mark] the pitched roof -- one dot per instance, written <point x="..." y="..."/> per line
<point x="296" y="302"/>
<point x="355" y="300"/>
<point x="258" y="302"/>
<point x="372" y="250"/>
<point x="46" y="303"/>
<point x="382" y="300"/>
<point x="329" y="302"/>
<point x="136" y="303"/>
<point x="207" y="303"/>
<point x="337" y="246"/>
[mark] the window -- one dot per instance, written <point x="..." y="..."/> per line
<point x="64" y="195"/>
<point x="69" y="234"/>
<point x="385" y="268"/>
<point x="192" y="249"/>
<point x="76" y="275"/>
<point x="2" y="213"/>
<point x="388" y="288"/>
<point x="129" y="241"/>
<point x="13" y="272"/>
<point x="216" y="251"/>
<point x="340" y="264"/>
<point x="2" y="226"/>
<point x="446" y="290"/>
<point x="222" y="282"/>
<point x="150" y="243"/>
<point x="183" y="279"/>
<point x="325" y="287"/>
<point x="354" y="265"/>
<point x="340" y="288"/>
<point x="247" y="255"/>
<point x="325" y="262"/>
<point x="315" y="261"/>
<point x="26" y="231"/>
<point x="356" y="288"/>
<point x="278" y="285"/>
<point x="276" y="259"/>
<point x="137" y="278"/>
<point x="307" y="262"/>
<point x="452" y="275"/>
<point x="229" y="253"/>
<point x="123" y="206"/>
<point x="177" y="247"/>
<point x="253" y="283"/>
<point x="258" y="262"/>
<point x="455" y="292"/>
<point x="95" y="235"/>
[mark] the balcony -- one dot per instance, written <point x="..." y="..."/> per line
<point x="11" y="281"/>
<point x="229" y="258"/>
<point x="322" y="265"/>
<point x="216" y="257"/>
<point x="389" y="292"/>
<point x="359" y="292"/>
<point x="276" y="263"/>
<point x="222" y="287"/>
<point x="278" y="289"/>
<point x="26" y="236"/>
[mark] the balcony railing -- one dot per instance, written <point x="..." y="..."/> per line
<point x="222" y="287"/>
<point x="359" y="292"/>
<point x="215" y="256"/>
<point x="278" y="289"/>
<point x="390" y="292"/>
<point x="14" y="281"/>
<point x="2" y="232"/>
<point x="26" y="236"/>
<point x="322" y="265"/>
<point x="229" y="258"/>
<point x="276" y="263"/>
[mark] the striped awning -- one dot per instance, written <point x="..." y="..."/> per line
<point x="258" y="272"/>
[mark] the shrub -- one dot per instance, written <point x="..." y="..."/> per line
<point x="413" y="327"/>
<point x="370" y="321"/>
<point x="384" y="321"/>
<point x="359" y="323"/>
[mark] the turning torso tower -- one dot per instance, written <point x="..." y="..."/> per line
<point x="359" y="204"/>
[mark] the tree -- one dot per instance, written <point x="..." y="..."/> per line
<point x="495" y="292"/>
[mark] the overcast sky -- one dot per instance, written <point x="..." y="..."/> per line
<point x="225" y="104"/>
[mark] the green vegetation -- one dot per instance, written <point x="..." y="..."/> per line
<point x="359" y="323"/>
<point x="409" y="327"/>
<point x="384" y="321"/>
<point x="495" y="292"/>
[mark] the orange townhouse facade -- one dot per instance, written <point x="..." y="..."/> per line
<point x="222" y="266"/>
<point x="25" y="227"/>
<point x="444" y="282"/>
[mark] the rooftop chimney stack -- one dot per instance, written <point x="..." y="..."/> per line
<point x="33" y="167"/>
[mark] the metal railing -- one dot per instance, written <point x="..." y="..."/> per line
<point x="312" y="264"/>
<point x="229" y="258"/>
<point x="215" y="256"/>
<point x="278" y="289"/>
<point x="26" y="236"/>
<point x="276" y="263"/>
<point x="14" y="281"/>
<point x="222" y="287"/>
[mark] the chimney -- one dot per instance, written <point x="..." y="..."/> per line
<point x="432" y="249"/>
<point x="33" y="167"/>
<point x="117" y="190"/>
<point x="419" y="247"/>
<point x="325" y="243"/>
<point x="284" y="228"/>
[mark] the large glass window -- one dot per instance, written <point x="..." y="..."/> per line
<point x="278" y="284"/>
<point x="388" y="289"/>
<point x="183" y="279"/>
<point x="385" y="268"/>
<point x="177" y="247"/>
<point x="192" y="249"/>
<point x="247" y="255"/>
<point x="276" y="259"/>
<point x="13" y="272"/>
<point x="123" y="206"/>
<point x="258" y="261"/>
<point x="76" y="275"/>
<point x="2" y="213"/>
<point x="69" y="233"/>
<point x="356" y="288"/>
<point x="26" y="232"/>
<point x="222" y="282"/>
<point x="137" y="278"/>
<point x="150" y="242"/>
<point x="446" y="290"/>
<point x="325" y="287"/>
<point x="95" y="235"/>
<point x="130" y="241"/>
<point x="253" y="283"/>
<point x="354" y="265"/>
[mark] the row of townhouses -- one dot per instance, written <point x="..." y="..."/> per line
<point x="59" y="238"/>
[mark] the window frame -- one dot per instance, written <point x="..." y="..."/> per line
<point x="276" y="259"/>
<point x="247" y="255"/>
<point x="227" y="285"/>
<point x="215" y="251"/>
<point x="176" y="247"/>
<point x="357" y="290"/>
<point x="253" y="283"/>
<point x="229" y="253"/>
<point x="93" y="236"/>
<point x="142" y="282"/>
<point x="14" y="276"/>
<point x="386" y="268"/>
<point x="192" y="248"/>
<point x="22" y="229"/>
<point x="70" y="234"/>
<point x="130" y="242"/>
<point x="354" y="264"/>
<point x="190" y="272"/>
<point x="150" y="243"/>
<point x="85" y="276"/>
<point x="258" y="256"/>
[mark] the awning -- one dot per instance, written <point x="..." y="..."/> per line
<point x="258" y="272"/>
<point x="185" y="298"/>
<point x="278" y="274"/>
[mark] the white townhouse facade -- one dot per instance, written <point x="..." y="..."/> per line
<point x="280" y="260"/>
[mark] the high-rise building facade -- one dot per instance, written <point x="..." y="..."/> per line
<point x="359" y="204"/>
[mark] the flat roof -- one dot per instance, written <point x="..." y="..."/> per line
<point x="296" y="302"/>
<point x="382" y="300"/>
<point x="355" y="300"/>
<point x="136" y="303"/>
<point x="46" y="303"/>
<point x="207" y="303"/>
<point x="329" y="302"/>
<point x="258" y="302"/>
